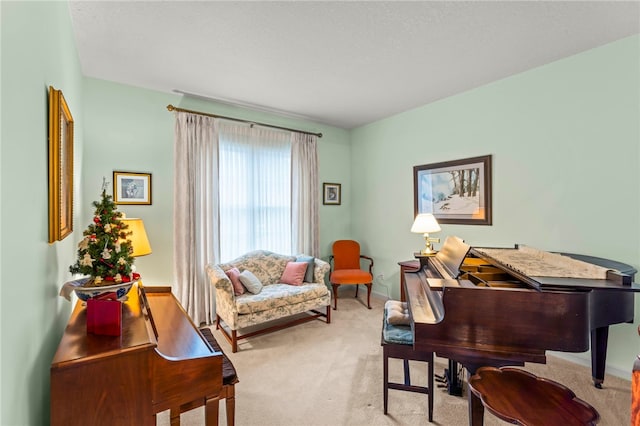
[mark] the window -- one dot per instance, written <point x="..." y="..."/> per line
<point x="254" y="191"/>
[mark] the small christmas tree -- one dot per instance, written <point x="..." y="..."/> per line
<point x="105" y="252"/>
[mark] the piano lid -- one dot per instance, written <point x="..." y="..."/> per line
<point x="545" y="269"/>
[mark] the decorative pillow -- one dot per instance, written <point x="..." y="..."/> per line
<point x="294" y="273"/>
<point x="397" y="312"/>
<point x="250" y="281"/>
<point x="308" y="276"/>
<point x="234" y="275"/>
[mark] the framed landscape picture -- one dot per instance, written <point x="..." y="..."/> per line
<point x="456" y="191"/>
<point x="131" y="188"/>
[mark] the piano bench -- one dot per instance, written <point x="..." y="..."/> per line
<point x="519" y="397"/>
<point x="397" y="342"/>
<point x="229" y="379"/>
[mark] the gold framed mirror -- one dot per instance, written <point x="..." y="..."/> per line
<point x="60" y="167"/>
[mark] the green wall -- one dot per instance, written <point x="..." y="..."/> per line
<point x="564" y="140"/>
<point x="134" y="127"/>
<point x="565" y="143"/>
<point x="38" y="50"/>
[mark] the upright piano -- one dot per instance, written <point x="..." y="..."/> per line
<point x="482" y="307"/>
<point x="159" y="362"/>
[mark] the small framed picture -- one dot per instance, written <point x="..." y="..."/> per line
<point x="331" y="193"/>
<point x="131" y="188"/>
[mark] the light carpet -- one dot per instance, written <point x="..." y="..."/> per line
<point x="331" y="374"/>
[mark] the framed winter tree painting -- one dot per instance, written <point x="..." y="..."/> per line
<point x="456" y="191"/>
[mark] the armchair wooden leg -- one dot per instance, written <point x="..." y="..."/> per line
<point x="357" y="287"/>
<point x="335" y="295"/>
<point x="217" y="322"/>
<point x="368" y="295"/>
<point x="329" y="314"/>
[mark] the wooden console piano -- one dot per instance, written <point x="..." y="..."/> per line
<point x="159" y="362"/>
<point x="490" y="313"/>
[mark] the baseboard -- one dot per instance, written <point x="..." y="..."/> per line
<point x="586" y="362"/>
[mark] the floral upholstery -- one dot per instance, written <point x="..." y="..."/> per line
<point x="275" y="300"/>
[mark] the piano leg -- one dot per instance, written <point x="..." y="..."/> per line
<point x="599" y="338"/>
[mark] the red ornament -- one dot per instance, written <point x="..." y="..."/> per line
<point x="96" y="219"/>
<point x="135" y="276"/>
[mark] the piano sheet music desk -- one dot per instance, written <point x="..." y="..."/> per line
<point x="159" y="362"/>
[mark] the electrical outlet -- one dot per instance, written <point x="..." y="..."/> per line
<point x="380" y="277"/>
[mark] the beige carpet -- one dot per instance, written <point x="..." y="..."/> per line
<point x="319" y="374"/>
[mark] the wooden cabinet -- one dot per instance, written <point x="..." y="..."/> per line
<point x="160" y="361"/>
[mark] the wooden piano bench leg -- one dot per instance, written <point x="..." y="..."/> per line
<point x="406" y="353"/>
<point x="211" y="411"/>
<point x="174" y="417"/>
<point x="230" y="401"/>
<point x="397" y="342"/>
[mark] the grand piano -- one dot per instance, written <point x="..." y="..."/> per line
<point x="497" y="307"/>
<point x="159" y="362"/>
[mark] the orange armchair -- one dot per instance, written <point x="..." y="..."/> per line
<point x="345" y="268"/>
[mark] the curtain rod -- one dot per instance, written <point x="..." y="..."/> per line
<point x="172" y="108"/>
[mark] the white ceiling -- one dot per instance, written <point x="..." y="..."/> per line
<point x="340" y="63"/>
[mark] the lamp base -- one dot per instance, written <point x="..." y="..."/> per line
<point x="428" y="250"/>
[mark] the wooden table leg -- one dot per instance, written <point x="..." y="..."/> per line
<point x="211" y="412"/>
<point x="476" y="409"/>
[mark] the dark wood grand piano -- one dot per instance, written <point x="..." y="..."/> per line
<point x="490" y="313"/>
<point x="159" y="362"/>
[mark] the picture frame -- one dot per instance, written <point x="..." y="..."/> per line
<point x="131" y="188"/>
<point x="437" y="190"/>
<point x="332" y="194"/>
<point x="60" y="167"/>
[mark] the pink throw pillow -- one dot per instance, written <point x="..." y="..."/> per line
<point x="294" y="273"/>
<point x="234" y="276"/>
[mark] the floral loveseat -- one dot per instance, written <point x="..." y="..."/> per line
<point x="273" y="301"/>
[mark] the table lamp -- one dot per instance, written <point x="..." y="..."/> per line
<point x="424" y="224"/>
<point x="138" y="237"/>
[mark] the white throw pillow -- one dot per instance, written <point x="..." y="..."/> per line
<point x="250" y="281"/>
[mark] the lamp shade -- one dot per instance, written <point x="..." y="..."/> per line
<point x="138" y="237"/>
<point x="425" y="223"/>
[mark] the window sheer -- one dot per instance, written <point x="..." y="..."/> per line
<point x="255" y="190"/>
<point x="238" y="189"/>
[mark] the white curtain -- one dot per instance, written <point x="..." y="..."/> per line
<point x="255" y="185"/>
<point x="195" y="214"/>
<point x="238" y="188"/>
<point x="304" y="194"/>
